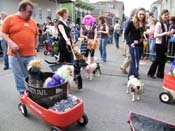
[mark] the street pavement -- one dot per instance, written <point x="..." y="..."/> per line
<point x="105" y="100"/>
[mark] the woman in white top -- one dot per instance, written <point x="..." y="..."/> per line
<point x="161" y="33"/>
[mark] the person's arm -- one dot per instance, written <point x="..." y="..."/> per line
<point x="95" y="34"/>
<point x="11" y="43"/>
<point x="62" y="30"/>
<point x="106" y="31"/>
<point x="81" y="34"/>
<point x="127" y="30"/>
<point x="157" y="32"/>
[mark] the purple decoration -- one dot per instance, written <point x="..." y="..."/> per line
<point x="56" y="80"/>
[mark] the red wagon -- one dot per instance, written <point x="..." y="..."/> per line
<point x="58" y="120"/>
<point x="168" y="95"/>
<point x="139" y="122"/>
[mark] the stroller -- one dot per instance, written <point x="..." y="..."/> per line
<point x="47" y="48"/>
<point x="139" y="122"/>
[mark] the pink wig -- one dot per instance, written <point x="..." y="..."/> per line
<point x="91" y="20"/>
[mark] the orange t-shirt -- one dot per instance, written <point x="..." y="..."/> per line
<point x="22" y="32"/>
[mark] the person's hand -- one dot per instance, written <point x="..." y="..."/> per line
<point x="168" y="33"/>
<point x="14" y="46"/>
<point x="68" y="43"/>
<point x="73" y="43"/>
<point x="133" y="45"/>
<point x="136" y="41"/>
<point x="85" y="37"/>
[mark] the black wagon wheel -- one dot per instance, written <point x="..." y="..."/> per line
<point x="45" y="53"/>
<point x="22" y="108"/>
<point x="54" y="128"/>
<point x="166" y="97"/>
<point x="83" y="120"/>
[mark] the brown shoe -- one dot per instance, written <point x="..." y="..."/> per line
<point x="123" y="70"/>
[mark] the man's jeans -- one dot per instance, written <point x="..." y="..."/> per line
<point x="116" y="38"/>
<point x="17" y="72"/>
<point x="5" y="56"/>
<point x="102" y="48"/>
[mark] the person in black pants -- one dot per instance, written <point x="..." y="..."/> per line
<point x="161" y="34"/>
<point x="65" y="38"/>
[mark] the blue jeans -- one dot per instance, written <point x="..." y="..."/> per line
<point x="110" y="38"/>
<point x="116" y="38"/>
<point x="102" y="48"/>
<point x="152" y="50"/>
<point x="136" y="53"/>
<point x="5" y="56"/>
<point x="17" y="72"/>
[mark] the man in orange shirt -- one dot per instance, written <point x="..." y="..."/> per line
<point x="20" y="31"/>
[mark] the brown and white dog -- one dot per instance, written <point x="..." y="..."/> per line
<point x="92" y="69"/>
<point x="135" y="87"/>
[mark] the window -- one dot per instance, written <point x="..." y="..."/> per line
<point x="49" y="12"/>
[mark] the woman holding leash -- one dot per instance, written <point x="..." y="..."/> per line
<point x="65" y="38"/>
<point x="88" y="32"/>
<point x="134" y="37"/>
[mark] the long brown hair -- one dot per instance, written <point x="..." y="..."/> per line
<point x="102" y="19"/>
<point x="136" y="21"/>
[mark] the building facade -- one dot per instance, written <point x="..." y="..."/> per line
<point x="114" y="8"/>
<point x="159" y="5"/>
<point x="44" y="8"/>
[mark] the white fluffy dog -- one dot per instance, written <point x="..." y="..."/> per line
<point x="135" y="87"/>
<point x="66" y="72"/>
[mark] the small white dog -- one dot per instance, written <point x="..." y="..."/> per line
<point x="135" y="87"/>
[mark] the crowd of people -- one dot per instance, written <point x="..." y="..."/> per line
<point x="141" y="27"/>
<point x="22" y="34"/>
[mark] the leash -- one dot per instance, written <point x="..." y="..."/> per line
<point x="135" y="58"/>
<point x="72" y="52"/>
<point x="21" y="64"/>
